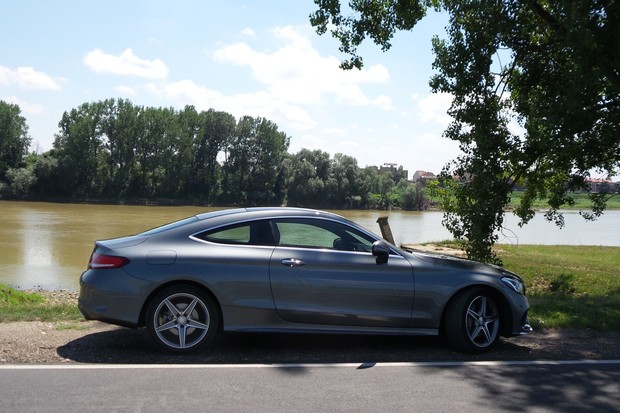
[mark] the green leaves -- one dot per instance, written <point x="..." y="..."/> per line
<point x="14" y="138"/>
<point x="377" y="19"/>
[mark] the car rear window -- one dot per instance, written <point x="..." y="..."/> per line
<point x="247" y="233"/>
<point x="229" y="235"/>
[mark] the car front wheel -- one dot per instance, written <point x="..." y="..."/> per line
<point x="473" y="322"/>
<point x="182" y="319"/>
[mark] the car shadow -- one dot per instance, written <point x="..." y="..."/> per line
<point x="127" y="346"/>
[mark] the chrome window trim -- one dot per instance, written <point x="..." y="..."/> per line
<point x="369" y="234"/>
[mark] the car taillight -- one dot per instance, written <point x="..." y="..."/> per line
<point x="106" y="262"/>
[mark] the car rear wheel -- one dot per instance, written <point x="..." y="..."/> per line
<point x="473" y="321"/>
<point x="182" y="319"/>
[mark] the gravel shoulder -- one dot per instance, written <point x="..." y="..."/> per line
<point x="94" y="342"/>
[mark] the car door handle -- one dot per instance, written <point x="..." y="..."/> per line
<point x="293" y="262"/>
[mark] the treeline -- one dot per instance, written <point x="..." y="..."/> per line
<point x="115" y="151"/>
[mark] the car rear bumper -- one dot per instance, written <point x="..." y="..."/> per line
<point x="112" y="296"/>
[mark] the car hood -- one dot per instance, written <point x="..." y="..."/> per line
<point x="443" y="260"/>
<point x="449" y="261"/>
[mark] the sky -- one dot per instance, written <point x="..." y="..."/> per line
<point x="255" y="57"/>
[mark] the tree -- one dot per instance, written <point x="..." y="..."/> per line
<point x="346" y="182"/>
<point x="45" y="171"/>
<point x="254" y="165"/>
<point x="308" y="177"/>
<point x="549" y="66"/>
<point x="20" y="180"/>
<point x="78" y="147"/>
<point x="121" y="130"/>
<point x="14" y="138"/>
<point x="414" y="198"/>
<point x="386" y="188"/>
<point x="212" y="130"/>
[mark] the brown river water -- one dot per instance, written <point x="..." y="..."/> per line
<point x="47" y="245"/>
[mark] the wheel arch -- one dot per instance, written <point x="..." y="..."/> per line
<point x="202" y="287"/>
<point x="505" y="311"/>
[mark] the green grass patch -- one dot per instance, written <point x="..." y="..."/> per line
<point x="582" y="202"/>
<point x="17" y="305"/>
<point x="12" y="297"/>
<point x="569" y="286"/>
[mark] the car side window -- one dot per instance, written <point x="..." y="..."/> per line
<point x="321" y="234"/>
<point x="247" y="233"/>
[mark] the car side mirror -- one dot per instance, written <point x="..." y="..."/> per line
<point x="381" y="250"/>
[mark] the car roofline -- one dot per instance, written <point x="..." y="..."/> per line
<point x="292" y="210"/>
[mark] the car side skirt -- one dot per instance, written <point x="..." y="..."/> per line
<point x="239" y="319"/>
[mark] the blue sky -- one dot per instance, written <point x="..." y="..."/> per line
<point x="257" y="58"/>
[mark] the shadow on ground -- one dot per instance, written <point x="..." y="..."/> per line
<point x="134" y="346"/>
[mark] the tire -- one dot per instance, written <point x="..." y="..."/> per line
<point x="472" y="321"/>
<point x="182" y="319"/>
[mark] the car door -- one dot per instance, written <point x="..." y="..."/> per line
<point x="323" y="272"/>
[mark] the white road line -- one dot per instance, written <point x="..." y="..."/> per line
<point x="304" y="365"/>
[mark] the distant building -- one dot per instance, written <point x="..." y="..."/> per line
<point x="605" y="186"/>
<point x="423" y="177"/>
<point x="397" y="173"/>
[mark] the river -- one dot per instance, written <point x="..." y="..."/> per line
<point x="47" y="245"/>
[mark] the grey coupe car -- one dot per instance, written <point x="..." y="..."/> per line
<point x="293" y="270"/>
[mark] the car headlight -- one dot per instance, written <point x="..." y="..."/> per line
<point x="515" y="284"/>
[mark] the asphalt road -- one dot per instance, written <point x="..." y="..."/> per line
<point x="549" y="386"/>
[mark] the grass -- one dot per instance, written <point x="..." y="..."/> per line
<point x="582" y="202"/>
<point x="22" y="306"/>
<point x="567" y="286"/>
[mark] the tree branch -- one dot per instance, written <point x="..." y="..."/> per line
<point x="551" y="21"/>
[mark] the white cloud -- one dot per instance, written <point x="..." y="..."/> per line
<point x="26" y="107"/>
<point x="27" y="78"/>
<point x="125" y="90"/>
<point x="248" y="32"/>
<point x="298" y="74"/>
<point x="259" y="103"/>
<point x="308" y="141"/>
<point x="338" y="132"/>
<point x="127" y="63"/>
<point x="189" y="92"/>
<point x="434" y="108"/>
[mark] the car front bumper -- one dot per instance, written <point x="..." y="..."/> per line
<point x="520" y="321"/>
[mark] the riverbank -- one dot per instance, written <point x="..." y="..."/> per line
<point x="38" y="305"/>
